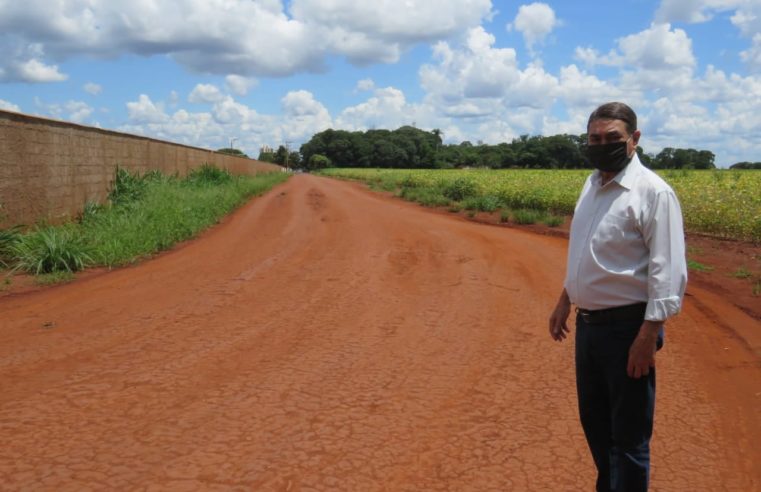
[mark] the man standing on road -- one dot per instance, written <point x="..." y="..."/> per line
<point x="626" y="274"/>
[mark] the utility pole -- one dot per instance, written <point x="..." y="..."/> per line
<point x="231" y="142"/>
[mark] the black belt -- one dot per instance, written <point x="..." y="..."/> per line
<point x="611" y="315"/>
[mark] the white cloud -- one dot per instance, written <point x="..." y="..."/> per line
<point x="255" y="37"/>
<point x="92" y="88"/>
<point x="36" y="71"/>
<point x="693" y="10"/>
<point x="752" y="56"/>
<point x="476" y="80"/>
<point x="145" y="111"/>
<point x="657" y="47"/>
<point x="535" y="21"/>
<point x="75" y="111"/>
<point x="304" y="115"/>
<point x="365" y="85"/>
<point x="747" y="18"/>
<point x="8" y="106"/>
<point x="239" y="85"/>
<point x="205" y="94"/>
<point x="477" y="70"/>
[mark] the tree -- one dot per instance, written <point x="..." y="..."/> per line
<point x="294" y="159"/>
<point x="317" y="161"/>
<point x="281" y="155"/>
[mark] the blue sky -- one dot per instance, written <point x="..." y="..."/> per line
<point x="264" y="72"/>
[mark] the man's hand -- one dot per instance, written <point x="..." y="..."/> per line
<point x="642" y="350"/>
<point x="559" y="319"/>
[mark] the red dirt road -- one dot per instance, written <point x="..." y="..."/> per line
<point x="327" y="338"/>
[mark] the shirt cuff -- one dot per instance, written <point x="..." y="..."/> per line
<point x="661" y="309"/>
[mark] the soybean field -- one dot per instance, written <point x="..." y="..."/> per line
<point x="722" y="203"/>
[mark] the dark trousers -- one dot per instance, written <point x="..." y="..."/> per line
<point x="616" y="411"/>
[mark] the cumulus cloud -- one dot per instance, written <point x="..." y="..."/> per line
<point x="239" y="85"/>
<point x="477" y="79"/>
<point x="75" y="111"/>
<point x="752" y="56"/>
<point x="304" y="115"/>
<point x="255" y="37"/>
<point x="92" y="88"/>
<point x="34" y="70"/>
<point x="365" y="85"/>
<point x="693" y="10"/>
<point x="205" y="94"/>
<point x="145" y="111"/>
<point x="9" y="106"/>
<point x="655" y="48"/>
<point x="535" y="21"/>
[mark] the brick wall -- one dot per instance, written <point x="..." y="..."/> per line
<point x="49" y="169"/>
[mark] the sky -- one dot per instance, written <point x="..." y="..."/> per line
<point x="211" y="73"/>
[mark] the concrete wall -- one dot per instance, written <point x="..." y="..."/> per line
<point x="49" y="169"/>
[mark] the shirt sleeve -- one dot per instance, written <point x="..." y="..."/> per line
<point x="663" y="233"/>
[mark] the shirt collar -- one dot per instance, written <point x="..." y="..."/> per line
<point x="627" y="175"/>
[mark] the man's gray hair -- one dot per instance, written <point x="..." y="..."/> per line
<point x="615" y="111"/>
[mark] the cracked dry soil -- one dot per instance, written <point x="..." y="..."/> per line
<point x="327" y="338"/>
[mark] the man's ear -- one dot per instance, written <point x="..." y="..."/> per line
<point x="635" y="137"/>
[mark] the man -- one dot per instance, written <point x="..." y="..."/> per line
<point x="626" y="274"/>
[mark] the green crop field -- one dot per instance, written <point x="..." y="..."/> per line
<point x="721" y="203"/>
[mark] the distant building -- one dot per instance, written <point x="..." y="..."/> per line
<point x="266" y="149"/>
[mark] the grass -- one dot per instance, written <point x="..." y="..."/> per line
<point x="8" y="240"/>
<point x="757" y="288"/>
<point x="551" y="220"/>
<point x="698" y="267"/>
<point x="526" y="216"/>
<point x="145" y="214"/>
<point x="743" y="273"/>
<point x="51" y="249"/>
<point x="54" y="278"/>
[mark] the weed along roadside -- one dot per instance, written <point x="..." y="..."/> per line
<point x="145" y="214"/>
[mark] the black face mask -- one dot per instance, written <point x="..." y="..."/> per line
<point x="610" y="157"/>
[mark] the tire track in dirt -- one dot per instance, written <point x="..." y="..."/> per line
<point x="326" y="338"/>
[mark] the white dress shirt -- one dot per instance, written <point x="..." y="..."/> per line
<point x="627" y="244"/>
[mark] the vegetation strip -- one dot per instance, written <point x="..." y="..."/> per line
<point x="144" y="215"/>
<point x="722" y="203"/>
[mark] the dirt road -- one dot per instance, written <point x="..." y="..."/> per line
<point x="327" y="338"/>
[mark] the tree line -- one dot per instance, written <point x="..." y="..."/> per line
<point x="410" y="147"/>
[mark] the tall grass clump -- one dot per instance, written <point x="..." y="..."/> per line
<point x="8" y="240"/>
<point x="51" y="249"/>
<point x="209" y="175"/>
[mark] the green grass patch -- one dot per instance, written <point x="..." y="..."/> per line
<point x="9" y="238"/>
<point x="146" y="214"/>
<point x="526" y="216"/>
<point x="504" y="215"/>
<point x="743" y="273"/>
<point x="54" y="278"/>
<point x="698" y="267"/>
<point x="757" y="288"/>
<point x="425" y="196"/>
<point x="551" y="220"/>
<point x="52" y="249"/>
